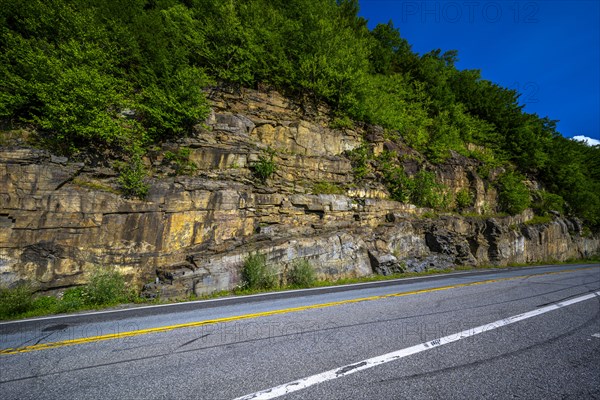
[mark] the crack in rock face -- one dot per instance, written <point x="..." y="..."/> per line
<point x="60" y="219"/>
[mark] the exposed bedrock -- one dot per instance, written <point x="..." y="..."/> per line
<point x="60" y="219"/>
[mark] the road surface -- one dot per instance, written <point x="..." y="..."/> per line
<point x="529" y="333"/>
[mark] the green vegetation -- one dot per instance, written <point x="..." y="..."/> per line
<point x="265" y="167"/>
<point x="422" y="189"/>
<point x="544" y="202"/>
<point x="256" y="275"/>
<point x="301" y="274"/>
<point x="393" y="176"/>
<point x="131" y="178"/>
<point x="15" y="301"/>
<point x="20" y="302"/>
<point x="538" y="220"/>
<point x="342" y="123"/>
<point x="106" y="287"/>
<point x="327" y="188"/>
<point x="121" y="76"/>
<point x="181" y="161"/>
<point x="94" y="185"/>
<point x="360" y="158"/>
<point x="427" y="192"/>
<point x="513" y="195"/>
<point x="464" y="199"/>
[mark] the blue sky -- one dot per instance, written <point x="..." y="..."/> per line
<point x="548" y="50"/>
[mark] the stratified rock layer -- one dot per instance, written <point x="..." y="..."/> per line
<point x="59" y="220"/>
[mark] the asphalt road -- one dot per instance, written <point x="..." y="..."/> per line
<point x="523" y="333"/>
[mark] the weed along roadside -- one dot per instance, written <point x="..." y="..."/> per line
<point x="296" y="131"/>
<point x="107" y="288"/>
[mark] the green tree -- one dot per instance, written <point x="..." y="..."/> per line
<point x="387" y="49"/>
<point x="513" y="195"/>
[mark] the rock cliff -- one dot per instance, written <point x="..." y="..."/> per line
<point x="59" y="219"/>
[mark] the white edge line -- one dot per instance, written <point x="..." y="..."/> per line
<point x="85" y="314"/>
<point x="304" y="383"/>
<point x="223" y="299"/>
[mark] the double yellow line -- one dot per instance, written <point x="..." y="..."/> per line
<point x="121" y="335"/>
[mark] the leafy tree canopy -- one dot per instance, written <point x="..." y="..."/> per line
<point x="129" y="73"/>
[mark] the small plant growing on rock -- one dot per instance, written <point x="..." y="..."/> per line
<point x="360" y="158"/>
<point x="327" y="188"/>
<point x="464" y="199"/>
<point x="301" y="274"/>
<point x="131" y="178"/>
<point x="427" y="192"/>
<point x="181" y="160"/>
<point x="342" y="123"/>
<point x="265" y="167"/>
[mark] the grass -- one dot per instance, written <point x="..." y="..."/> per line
<point x="483" y="216"/>
<point x="537" y="220"/>
<point x="94" y="185"/>
<point x="20" y="302"/>
<point x="106" y="288"/>
<point x="378" y="278"/>
<point x="430" y="215"/>
<point x="327" y="188"/>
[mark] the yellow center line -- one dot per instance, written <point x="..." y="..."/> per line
<point x="167" y="328"/>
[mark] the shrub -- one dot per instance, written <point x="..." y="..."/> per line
<point x="399" y="185"/>
<point x="15" y="301"/>
<point x="131" y="178"/>
<point x="359" y="157"/>
<point x="464" y="199"/>
<point x="341" y="123"/>
<point x="301" y="274"/>
<point x="172" y="104"/>
<point x="513" y="195"/>
<point x="427" y="192"/>
<point x="265" y="167"/>
<point x="45" y="305"/>
<point x="257" y="275"/>
<point x="181" y="160"/>
<point x="106" y="286"/>
<point x="422" y="190"/>
<point x="73" y="299"/>
<point x="20" y="302"/>
<point x="395" y="179"/>
<point x="544" y="202"/>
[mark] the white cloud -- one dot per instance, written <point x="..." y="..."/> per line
<point x="588" y="140"/>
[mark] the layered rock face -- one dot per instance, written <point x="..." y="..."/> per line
<point x="59" y="219"/>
